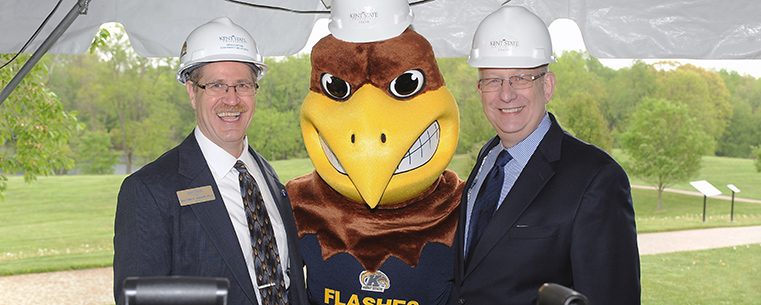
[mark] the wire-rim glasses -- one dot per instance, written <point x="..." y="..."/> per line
<point x="219" y="89"/>
<point x="521" y="81"/>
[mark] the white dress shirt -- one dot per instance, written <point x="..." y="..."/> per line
<point x="226" y="177"/>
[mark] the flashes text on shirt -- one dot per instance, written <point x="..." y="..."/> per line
<point x="333" y="297"/>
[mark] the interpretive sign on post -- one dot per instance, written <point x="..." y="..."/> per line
<point x="707" y="190"/>
<point x="732" y="211"/>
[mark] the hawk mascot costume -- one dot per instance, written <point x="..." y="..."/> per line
<point x="377" y="217"/>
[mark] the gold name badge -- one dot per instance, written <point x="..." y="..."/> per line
<point x="196" y="195"/>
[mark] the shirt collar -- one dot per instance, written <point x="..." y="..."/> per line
<point x="220" y="161"/>
<point x="523" y="151"/>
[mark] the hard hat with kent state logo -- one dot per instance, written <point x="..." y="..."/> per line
<point x="219" y="40"/>
<point x="361" y="21"/>
<point x="511" y="37"/>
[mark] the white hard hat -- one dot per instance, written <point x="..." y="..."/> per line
<point x="511" y="37"/>
<point x="219" y="40"/>
<point x="362" y="21"/>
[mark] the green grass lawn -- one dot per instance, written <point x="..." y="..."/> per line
<point x="57" y="222"/>
<point x="717" y="276"/>
<point x="719" y="171"/>
<point x="682" y="212"/>
<point x="66" y="222"/>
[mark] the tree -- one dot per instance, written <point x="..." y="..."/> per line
<point x="276" y="135"/>
<point x="742" y="134"/>
<point x="156" y="118"/>
<point x="744" y="130"/>
<point x="581" y="117"/>
<point x="665" y="144"/>
<point x="461" y="82"/>
<point x="703" y="93"/>
<point x="76" y="80"/>
<point x="94" y="154"/>
<point x="573" y="75"/>
<point x="275" y="130"/>
<point x="577" y="98"/>
<point x="135" y="99"/>
<point x="130" y="93"/>
<point x="286" y="84"/>
<point x="757" y="151"/>
<point x="627" y="87"/>
<point x="34" y="127"/>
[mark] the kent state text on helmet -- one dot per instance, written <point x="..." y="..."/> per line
<point x="511" y="37"/>
<point x="361" y="21"/>
<point x="219" y="40"/>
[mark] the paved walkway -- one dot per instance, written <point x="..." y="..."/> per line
<point x="690" y="240"/>
<point x="78" y="287"/>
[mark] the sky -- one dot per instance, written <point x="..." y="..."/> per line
<point x="566" y="36"/>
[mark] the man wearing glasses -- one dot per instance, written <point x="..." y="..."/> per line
<point x="540" y="206"/>
<point x="212" y="206"/>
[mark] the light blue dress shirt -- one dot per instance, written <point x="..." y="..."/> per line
<point x="521" y="153"/>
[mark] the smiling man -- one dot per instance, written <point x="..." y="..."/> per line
<point x="212" y="206"/>
<point x="540" y="206"/>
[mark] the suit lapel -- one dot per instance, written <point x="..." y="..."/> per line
<point x="461" y="237"/>
<point x="213" y="216"/>
<point x="277" y="190"/>
<point x="272" y="180"/>
<point x="531" y="181"/>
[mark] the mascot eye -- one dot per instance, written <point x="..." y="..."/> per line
<point x="408" y="84"/>
<point x="334" y="87"/>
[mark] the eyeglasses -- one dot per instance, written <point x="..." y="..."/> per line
<point x="219" y="89"/>
<point x="522" y="81"/>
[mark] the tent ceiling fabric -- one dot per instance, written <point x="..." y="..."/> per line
<point x="156" y="28"/>
<point x="700" y="29"/>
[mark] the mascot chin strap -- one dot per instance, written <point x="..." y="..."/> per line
<point x="342" y="225"/>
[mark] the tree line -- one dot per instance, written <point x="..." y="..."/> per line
<point x="87" y="112"/>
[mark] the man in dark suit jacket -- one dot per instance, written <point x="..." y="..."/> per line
<point x="564" y="213"/>
<point x="183" y="214"/>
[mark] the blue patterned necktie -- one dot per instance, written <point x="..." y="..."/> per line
<point x="269" y="271"/>
<point x="486" y="200"/>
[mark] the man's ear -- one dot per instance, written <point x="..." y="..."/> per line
<point x="189" y="86"/>
<point x="549" y="86"/>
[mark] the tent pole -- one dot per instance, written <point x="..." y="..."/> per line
<point x="80" y="8"/>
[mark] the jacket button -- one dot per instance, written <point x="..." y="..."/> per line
<point x="461" y="301"/>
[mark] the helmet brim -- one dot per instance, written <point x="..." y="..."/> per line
<point x="184" y="71"/>
<point x="509" y="62"/>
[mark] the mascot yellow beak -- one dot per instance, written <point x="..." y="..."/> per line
<point x="378" y="123"/>
<point x="376" y="149"/>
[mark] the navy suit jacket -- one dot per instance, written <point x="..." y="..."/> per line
<point x="567" y="220"/>
<point x="155" y="236"/>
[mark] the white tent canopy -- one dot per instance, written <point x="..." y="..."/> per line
<point x="698" y="29"/>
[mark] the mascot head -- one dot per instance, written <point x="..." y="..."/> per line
<point x="379" y="123"/>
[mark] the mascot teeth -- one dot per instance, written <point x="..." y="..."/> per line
<point x="419" y="154"/>
<point x="422" y="150"/>
<point x="332" y="157"/>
